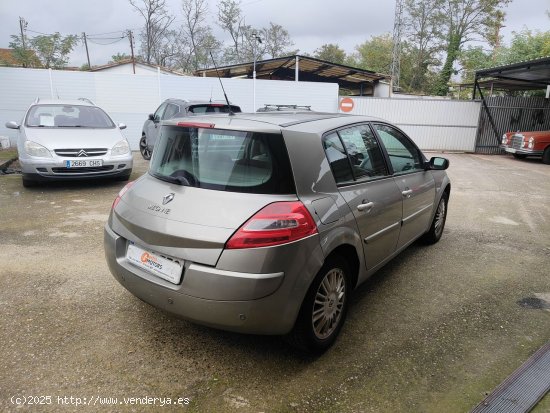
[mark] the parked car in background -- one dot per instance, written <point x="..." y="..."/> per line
<point x="70" y="139"/>
<point x="524" y="144"/>
<point x="177" y="108"/>
<point x="264" y="223"/>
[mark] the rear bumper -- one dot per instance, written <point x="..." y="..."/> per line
<point x="255" y="303"/>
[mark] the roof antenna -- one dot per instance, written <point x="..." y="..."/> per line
<point x="220" y="79"/>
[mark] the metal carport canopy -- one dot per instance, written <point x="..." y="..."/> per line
<point x="354" y="80"/>
<point x="533" y="74"/>
<point x="528" y="75"/>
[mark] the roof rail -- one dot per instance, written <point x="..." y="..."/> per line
<point x="87" y="101"/>
<point x="272" y="107"/>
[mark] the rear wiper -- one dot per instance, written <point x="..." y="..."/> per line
<point x="182" y="180"/>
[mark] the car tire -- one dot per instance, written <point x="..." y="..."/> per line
<point x="438" y="224"/>
<point x="324" y="308"/>
<point x="143" y="149"/>
<point x="29" y="183"/>
<point x="519" y="156"/>
<point x="546" y="156"/>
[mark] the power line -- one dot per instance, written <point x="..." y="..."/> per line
<point x="102" y="34"/>
<point x="106" y="44"/>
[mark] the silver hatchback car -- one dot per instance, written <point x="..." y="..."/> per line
<point x="70" y="139"/>
<point x="264" y="223"/>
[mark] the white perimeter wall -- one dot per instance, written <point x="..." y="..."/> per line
<point x="129" y="98"/>
<point x="431" y="123"/>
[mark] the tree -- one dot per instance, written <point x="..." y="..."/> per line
<point x="464" y="20"/>
<point x="472" y="59"/>
<point x="198" y="36"/>
<point x="277" y="41"/>
<point x="374" y="54"/>
<point x="25" y="57"/>
<point x="157" y="23"/>
<point x="51" y="50"/>
<point x="527" y="45"/>
<point x="230" y="19"/>
<point x="331" y="53"/>
<point x="422" y="28"/>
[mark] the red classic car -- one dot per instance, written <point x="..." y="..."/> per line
<point x="523" y="144"/>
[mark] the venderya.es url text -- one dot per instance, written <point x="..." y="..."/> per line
<point x="99" y="401"/>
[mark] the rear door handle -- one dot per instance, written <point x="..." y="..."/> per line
<point x="407" y="193"/>
<point x="365" y="207"/>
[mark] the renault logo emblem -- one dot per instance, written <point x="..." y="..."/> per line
<point x="167" y="198"/>
<point x="82" y="153"/>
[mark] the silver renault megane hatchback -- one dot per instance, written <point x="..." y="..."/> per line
<point x="264" y="223"/>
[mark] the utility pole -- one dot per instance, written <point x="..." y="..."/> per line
<point x="87" y="54"/>
<point x="23" y="26"/>
<point x="255" y="40"/>
<point x="396" y="52"/>
<point x="130" y="36"/>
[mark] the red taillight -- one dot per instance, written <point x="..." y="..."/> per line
<point x="121" y="193"/>
<point x="277" y="223"/>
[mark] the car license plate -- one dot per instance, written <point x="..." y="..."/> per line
<point x="169" y="270"/>
<point x="510" y="150"/>
<point x="84" y="163"/>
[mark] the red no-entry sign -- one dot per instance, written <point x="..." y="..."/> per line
<point x="346" y="105"/>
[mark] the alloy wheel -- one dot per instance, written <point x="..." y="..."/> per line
<point x="329" y="303"/>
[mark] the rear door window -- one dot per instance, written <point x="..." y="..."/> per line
<point x="354" y="154"/>
<point x="338" y="158"/>
<point x="235" y="161"/>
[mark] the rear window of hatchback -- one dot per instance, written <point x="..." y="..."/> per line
<point x="224" y="160"/>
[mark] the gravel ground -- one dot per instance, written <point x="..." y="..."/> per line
<point x="434" y="331"/>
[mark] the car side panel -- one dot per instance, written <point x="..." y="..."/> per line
<point x="314" y="185"/>
<point x="418" y="206"/>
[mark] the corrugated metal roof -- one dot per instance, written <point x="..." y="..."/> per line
<point x="523" y="75"/>
<point x="352" y="79"/>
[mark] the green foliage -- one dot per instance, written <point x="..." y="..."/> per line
<point x="277" y="41"/>
<point x="528" y="45"/>
<point x="53" y="50"/>
<point x="331" y="53"/>
<point x="374" y="54"/>
<point x="23" y="56"/>
<point x="120" y="57"/>
<point x="472" y="59"/>
<point x="466" y="20"/>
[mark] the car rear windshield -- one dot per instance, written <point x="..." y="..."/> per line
<point x="68" y="116"/>
<point x="213" y="108"/>
<point x="225" y="160"/>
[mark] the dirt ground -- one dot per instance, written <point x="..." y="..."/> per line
<point x="434" y="331"/>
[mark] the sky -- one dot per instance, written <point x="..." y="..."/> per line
<point x="310" y="23"/>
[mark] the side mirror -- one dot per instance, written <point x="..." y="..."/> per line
<point x="122" y="126"/>
<point x="151" y="117"/>
<point x="437" y="164"/>
<point x="12" y="125"/>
